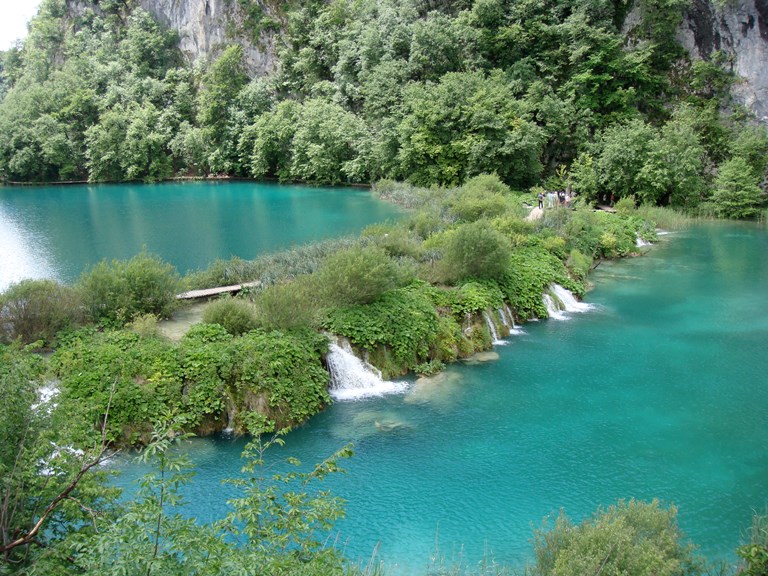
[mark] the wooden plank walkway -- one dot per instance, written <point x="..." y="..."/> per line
<point x="208" y="292"/>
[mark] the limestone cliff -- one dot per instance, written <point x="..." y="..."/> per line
<point x="204" y="26"/>
<point x="739" y="30"/>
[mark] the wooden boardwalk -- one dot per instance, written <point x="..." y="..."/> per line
<point x="209" y="292"/>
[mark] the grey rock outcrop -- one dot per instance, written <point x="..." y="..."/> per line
<point x="739" y="30"/>
<point x="205" y="26"/>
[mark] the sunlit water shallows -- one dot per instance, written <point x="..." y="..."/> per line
<point x="658" y="391"/>
<point x="58" y="231"/>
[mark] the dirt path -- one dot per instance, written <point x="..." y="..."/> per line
<point x="175" y="327"/>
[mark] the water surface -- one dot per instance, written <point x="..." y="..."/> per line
<point x="659" y="392"/>
<point x="58" y="231"/>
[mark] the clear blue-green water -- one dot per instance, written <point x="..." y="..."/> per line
<point x="58" y="231"/>
<point x="659" y="392"/>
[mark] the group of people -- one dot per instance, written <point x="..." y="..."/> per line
<point x="555" y="198"/>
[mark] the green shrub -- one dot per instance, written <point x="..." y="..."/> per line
<point x="139" y="378"/>
<point x="235" y="315"/>
<point x="472" y="204"/>
<point x="512" y="226"/>
<point x="207" y="364"/>
<point x="20" y="371"/>
<point x="628" y="538"/>
<point x="755" y="553"/>
<point x="626" y="206"/>
<point x="429" y="368"/>
<point x="427" y="222"/>
<point x="531" y="270"/>
<point x="618" y="236"/>
<point x="36" y="310"/>
<point x="737" y="193"/>
<point x="280" y="375"/>
<point x="579" y="264"/>
<point x="358" y="275"/>
<point x="554" y="245"/>
<point x="486" y="183"/>
<point x="475" y="251"/>
<point x="475" y="297"/>
<point x="145" y="325"/>
<point x="402" y="320"/>
<point x="288" y="305"/>
<point x="396" y="239"/>
<point x="116" y="292"/>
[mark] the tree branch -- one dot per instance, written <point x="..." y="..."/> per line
<point x="31" y="536"/>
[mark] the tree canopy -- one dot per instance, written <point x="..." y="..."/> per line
<point x="429" y="92"/>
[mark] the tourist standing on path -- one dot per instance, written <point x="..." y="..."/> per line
<point x="541" y="200"/>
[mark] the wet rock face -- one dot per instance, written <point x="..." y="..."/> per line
<point x="740" y="31"/>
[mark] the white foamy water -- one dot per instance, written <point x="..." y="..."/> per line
<point x="640" y="243"/>
<point x="553" y="310"/>
<point x="559" y="301"/>
<point x="352" y="378"/>
<point x="492" y="328"/>
<point x="568" y="300"/>
<point x="509" y="320"/>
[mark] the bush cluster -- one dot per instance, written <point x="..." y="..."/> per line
<point x="115" y="292"/>
<point x="277" y="374"/>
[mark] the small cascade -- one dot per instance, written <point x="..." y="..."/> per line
<point x="640" y="243"/>
<point x="559" y="300"/>
<point x="492" y="327"/>
<point x="553" y="310"/>
<point x="231" y="413"/>
<point x="506" y="312"/>
<point x="352" y="378"/>
<point x="568" y="300"/>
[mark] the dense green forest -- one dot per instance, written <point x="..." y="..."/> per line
<point x="540" y="93"/>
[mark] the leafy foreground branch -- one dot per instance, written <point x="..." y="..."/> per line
<point x="278" y="525"/>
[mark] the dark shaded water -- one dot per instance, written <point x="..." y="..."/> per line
<point x="659" y="392"/>
<point x="57" y="231"/>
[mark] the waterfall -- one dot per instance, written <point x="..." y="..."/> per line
<point x="509" y="320"/>
<point x="640" y="243"/>
<point x="352" y="378"/>
<point x="503" y="316"/>
<point x="570" y="304"/>
<point x="231" y="413"/>
<point x="492" y="327"/>
<point x="553" y="310"/>
<point x="559" y="300"/>
<point x="46" y="396"/>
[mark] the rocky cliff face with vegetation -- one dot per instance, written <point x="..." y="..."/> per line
<point x="737" y="35"/>
<point x="206" y="26"/>
<point x="734" y="34"/>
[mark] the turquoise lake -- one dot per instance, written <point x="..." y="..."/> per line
<point x="58" y="231"/>
<point x="659" y="391"/>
